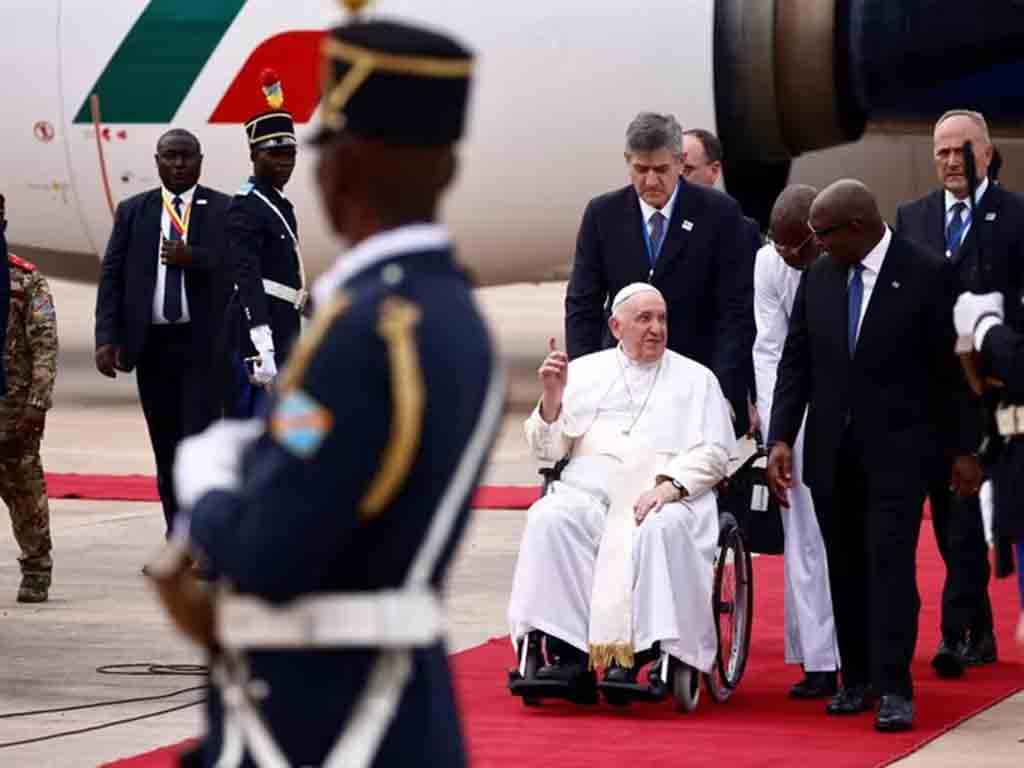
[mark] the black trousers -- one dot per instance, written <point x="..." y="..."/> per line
<point x="961" y="540"/>
<point x="870" y="532"/>
<point x="173" y="377"/>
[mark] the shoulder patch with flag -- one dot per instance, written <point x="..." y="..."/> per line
<point x="300" y="424"/>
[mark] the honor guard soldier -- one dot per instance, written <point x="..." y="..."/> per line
<point x="263" y="238"/>
<point x="333" y="520"/>
<point x="1000" y="348"/>
<point x="30" y="365"/>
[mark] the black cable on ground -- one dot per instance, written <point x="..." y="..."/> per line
<point x="138" y="669"/>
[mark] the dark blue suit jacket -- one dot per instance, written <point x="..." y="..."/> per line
<point x="705" y="271"/>
<point x="124" y="300"/>
<point x="300" y="524"/>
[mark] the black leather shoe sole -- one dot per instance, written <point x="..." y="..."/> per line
<point x="947" y="664"/>
<point x="893" y="725"/>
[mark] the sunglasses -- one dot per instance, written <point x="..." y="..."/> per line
<point x="785" y="250"/>
<point x="826" y="231"/>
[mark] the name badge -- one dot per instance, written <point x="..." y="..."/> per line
<point x="200" y="202"/>
<point x="687" y="225"/>
<point x="990" y="216"/>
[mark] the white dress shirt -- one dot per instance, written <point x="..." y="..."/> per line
<point x="775" y="284"/>
<point x="951" y="200"/>
<point x="161" y="268"/>
<point x="872" y="266"/>
<point x="647" y="211"/>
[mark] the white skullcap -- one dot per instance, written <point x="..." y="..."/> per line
<point x="630" y="291"/>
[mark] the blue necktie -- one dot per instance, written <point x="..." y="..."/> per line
<point x="657" y="234"/>
<point x="172" y="282"/>
<point x="854" y="298"/>
<point x="955" y="230"/>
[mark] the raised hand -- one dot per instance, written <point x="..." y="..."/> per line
<point x="554" y="375"/>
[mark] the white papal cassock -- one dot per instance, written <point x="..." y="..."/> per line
<point x="675" y="412"/>
<point x="810" y="627"/>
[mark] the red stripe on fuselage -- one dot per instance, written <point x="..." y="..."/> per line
<point x="295" y="56"/>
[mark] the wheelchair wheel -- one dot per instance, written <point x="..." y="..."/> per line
<point x="685" y="686"/>
<point x="733" y="606"/>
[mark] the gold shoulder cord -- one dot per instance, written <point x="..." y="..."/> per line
<point x="310" y="341"/>
<point x="397" y="324"/>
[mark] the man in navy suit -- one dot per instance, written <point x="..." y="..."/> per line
<point x="984" y="243"/>
<point x="869" y="357"/>
<point x="687" y="240"/>
<point x="161" y="295"/>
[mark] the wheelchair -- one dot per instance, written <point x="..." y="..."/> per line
<point x="743" y="491"/>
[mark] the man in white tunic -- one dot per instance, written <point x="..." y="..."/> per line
<point x="810" y="627"/>
<point x="616" y="561"/>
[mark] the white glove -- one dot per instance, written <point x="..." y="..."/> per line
<point x="266" y="367"/>
<point x="971" y="307"/>
<point x="212" y="460"/>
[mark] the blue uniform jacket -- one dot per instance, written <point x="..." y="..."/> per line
<point x="336" y="499"/>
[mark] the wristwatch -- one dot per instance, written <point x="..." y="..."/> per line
<point x="678" y="486"/>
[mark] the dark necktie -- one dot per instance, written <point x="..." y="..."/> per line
<point x="955" y="230"/>
<point x="173" y="281"/>
<point x="854" y="299"/>
<point x="657" y="234"/>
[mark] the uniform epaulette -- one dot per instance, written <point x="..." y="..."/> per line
<point x="246" y="188"/>
<point x="20" y="263"/>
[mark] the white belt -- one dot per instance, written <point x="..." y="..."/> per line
<point x="1010" y="420"/>
<point x="297" y="297"/>
<point x="384" y="619"/>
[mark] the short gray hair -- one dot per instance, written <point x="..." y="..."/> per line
<point x="976" y="117"/>
<point x="650" y="131"/>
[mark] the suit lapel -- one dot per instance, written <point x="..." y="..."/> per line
<point x="152" y="211"/>
<point x="196" y="216"/>
<point x="687" y="208"/>
<point x="935" y="221"/>
<point x="835" y="302"/>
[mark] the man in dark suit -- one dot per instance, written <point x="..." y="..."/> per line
<point x="160" y="300"/>
<point x="993" y="229"/>
<point x="685" y="239"/>
<point x="5" y="290"/>
<point x="869" y="353"/>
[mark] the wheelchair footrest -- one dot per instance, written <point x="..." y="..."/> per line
<point x="582" y="692"/>
<point x="623" y="693"/>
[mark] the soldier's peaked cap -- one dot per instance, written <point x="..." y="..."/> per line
<point x="394" y="82"/>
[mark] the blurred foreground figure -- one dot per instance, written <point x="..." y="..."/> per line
<point x="332" y="522"/>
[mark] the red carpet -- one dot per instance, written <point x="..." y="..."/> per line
<point x="143" y="488"/>
<point x="759" y="726"/>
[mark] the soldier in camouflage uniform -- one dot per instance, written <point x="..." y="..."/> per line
<point x="30" y="361"/>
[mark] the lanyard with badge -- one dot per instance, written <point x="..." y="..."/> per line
<point x="180" y="223"/>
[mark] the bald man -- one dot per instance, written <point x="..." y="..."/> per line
<point x="985" y="245"/>
<point x="868" y="355"/>
<point x="810" y="628"/>
<point x="648" y="436"/>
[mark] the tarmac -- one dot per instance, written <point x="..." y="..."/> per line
<point x="101" y="612"/>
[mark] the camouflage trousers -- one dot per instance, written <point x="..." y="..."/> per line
<point x="23" y="490"/>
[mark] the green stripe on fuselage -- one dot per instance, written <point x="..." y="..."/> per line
<point x="158" y="61"/>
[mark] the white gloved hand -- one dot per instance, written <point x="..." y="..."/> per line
<point x="265" y="368"/>
<point x="212" y="460"/>
<point x="970" y="307"/>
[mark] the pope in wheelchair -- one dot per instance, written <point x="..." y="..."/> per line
<point x="616" y="565"/>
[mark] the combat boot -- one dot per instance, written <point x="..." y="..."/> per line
<point x="35" y="587"/>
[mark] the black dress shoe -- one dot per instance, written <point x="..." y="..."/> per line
<point x="563" y="672"/>
<point x="815" y="685"/>
<point x="622" y="675"/>
<point x="895" y="713"/>
<point x="948" y="660"/>
<point x="980" y="650"/>
<point x="851" y="700"/>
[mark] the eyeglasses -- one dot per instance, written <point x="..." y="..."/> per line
<point x="826" y="231"/>
<point x="786" y="250"/>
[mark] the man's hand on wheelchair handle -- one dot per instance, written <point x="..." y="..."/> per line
<point x="780" y="472"/>
<point x="553" y="374"/>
